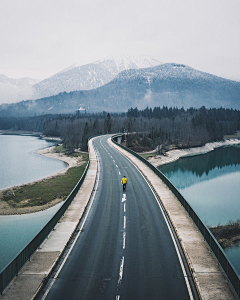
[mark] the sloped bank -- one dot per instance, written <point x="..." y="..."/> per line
<point x="174" y="155"/>
<point x="227" y="235"/>
<point x="10" y="202"/>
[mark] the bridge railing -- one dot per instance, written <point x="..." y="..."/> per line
<point x="208" y="236"/>
<point x="12" y="269"/>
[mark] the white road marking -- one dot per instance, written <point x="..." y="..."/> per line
<point x="124" y="222"/>
<point x="175" y="245"/>
<point x="117" y="166"/>
<point x="117" y="297"/>
<point x="121" y="271"/>
<point x="124" y="239"/>
<point x="173" y="239"/>
<point x="124" y="207"/>
<point x="113" y="160"/>
<point x="124" y="198"/>
<point x="119" y="173"/>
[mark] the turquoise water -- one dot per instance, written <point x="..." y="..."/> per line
<point x="211" y="184"/>
<point x="20" y="164"/>
<point x="17" y="231"/>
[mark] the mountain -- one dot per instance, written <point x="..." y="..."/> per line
<point x="90" y="76"/>
<point x="14" y="90"/>
<point x="164" y="85"/>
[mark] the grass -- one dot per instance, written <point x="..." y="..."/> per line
<point x="45" y="191"/>
<point x="147" y="155"/>
<point x="228" y="234"/>
<point x="61" y="149"/>
<point x="233" y="136"/>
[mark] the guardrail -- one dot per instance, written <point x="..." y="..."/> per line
<point x="209" y="238"/>
<point x="12" y="269"/>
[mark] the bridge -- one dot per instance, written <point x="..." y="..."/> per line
<point x="145" y="243"/>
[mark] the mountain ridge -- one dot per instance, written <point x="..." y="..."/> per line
<point x="73" y="78"/>
<point x="90" y="76"/>
<point x="172" y="85"/>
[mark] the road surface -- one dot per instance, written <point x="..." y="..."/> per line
<point x="123" y="248"/>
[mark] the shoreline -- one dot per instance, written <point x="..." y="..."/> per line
<point x="174" y="155"/>
<point x="157" y="160"/>
<point x="227" y="235"/>
<point x="30" y="133"/>
<point x="6" y="209"/>
<point x="20" y="132"/>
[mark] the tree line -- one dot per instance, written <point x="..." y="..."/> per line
<point x="147" y="129"/>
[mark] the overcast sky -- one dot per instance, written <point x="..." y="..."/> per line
<point x="41" y="37"/>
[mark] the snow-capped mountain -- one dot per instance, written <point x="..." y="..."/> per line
<point x="90" y="76"/>
<point x="14" y="90"/>
<point x="171" y="85"/>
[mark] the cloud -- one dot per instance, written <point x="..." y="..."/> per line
<point x="11" y="93"/>
<point x="41" y="38"/>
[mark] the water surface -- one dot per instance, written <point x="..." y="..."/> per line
<point x="19" y="162"/>
<point x="211" y="184"/>
<point x="18" y="230"/>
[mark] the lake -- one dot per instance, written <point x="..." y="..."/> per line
<point x="211" y="184"/>
<point x="20" y="164"/>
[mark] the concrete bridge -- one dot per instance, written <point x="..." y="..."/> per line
<point x="197" y="273"/>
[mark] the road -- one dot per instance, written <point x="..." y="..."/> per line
<point x="123" y="248"/>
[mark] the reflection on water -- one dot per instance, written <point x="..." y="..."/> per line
<point x="203" y="167"/>
<point x="211" y="184"/>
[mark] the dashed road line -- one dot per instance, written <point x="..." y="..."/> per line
<point x="170" y="231"/>
<point x="124" y="239"/>
<point x="121" y="271"/>
<point x="123" y="246"/>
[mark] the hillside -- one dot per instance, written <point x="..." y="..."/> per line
<point x="90" y="76"/>
<point x="74" y="78"/>
<point x="164" y="85"/>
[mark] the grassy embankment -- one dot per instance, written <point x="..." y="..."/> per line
<point x="42" y="192"/>
<point x="227" y="235"/>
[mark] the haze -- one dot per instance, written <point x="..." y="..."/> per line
<point x="40" y="38"/>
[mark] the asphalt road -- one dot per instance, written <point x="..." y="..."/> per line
<point x="123" y="248"/>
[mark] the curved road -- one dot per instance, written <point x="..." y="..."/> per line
<point x="123" y="248"/>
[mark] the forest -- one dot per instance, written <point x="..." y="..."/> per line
<point x="146" y="129"/>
